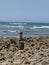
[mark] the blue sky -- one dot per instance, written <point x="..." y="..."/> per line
<point x="24" y="10"/>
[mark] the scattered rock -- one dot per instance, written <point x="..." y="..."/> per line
<point x="36" y="51"/>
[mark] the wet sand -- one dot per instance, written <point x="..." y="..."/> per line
<point x="36" y="51"/>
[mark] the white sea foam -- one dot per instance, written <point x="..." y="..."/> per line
<point x="15" y="27"/>
<point x="11" y="31"/>
<point x="40" y="27"/>
<point x="20" y="26"/>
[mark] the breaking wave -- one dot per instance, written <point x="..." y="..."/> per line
<point x="11" y="31"/>
<point x="18" y="23"/>
<point x="21" y="27"/>
<point x="40" y="27"/>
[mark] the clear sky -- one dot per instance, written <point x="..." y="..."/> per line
<point x="24" y="10"/>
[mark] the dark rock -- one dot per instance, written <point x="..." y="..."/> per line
<point x="38" y="48"/>
<point x="13" y="41"/>
<point x="32" y="45"/>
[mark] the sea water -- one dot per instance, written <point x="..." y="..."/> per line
<point x="29" y="29"/>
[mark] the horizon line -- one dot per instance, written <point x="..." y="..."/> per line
<point x="24" y="21"/>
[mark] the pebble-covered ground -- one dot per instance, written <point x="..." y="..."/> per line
<point x="36" y="51"/>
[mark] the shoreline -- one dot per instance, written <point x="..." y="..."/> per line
<point x="25" y="36"/>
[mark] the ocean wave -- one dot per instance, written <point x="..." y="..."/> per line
<point x="40" y="27"/>
<point x="13" y="23"/>
<point x="17" y="23"/>
<point x="21" y="27"/>
<point x="11" y="31"/>
<point x="8" y="31"/>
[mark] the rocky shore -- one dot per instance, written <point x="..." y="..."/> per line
<point x="36" y="51"/>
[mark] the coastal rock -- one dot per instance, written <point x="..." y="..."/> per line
<point x="36" y="51"/>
